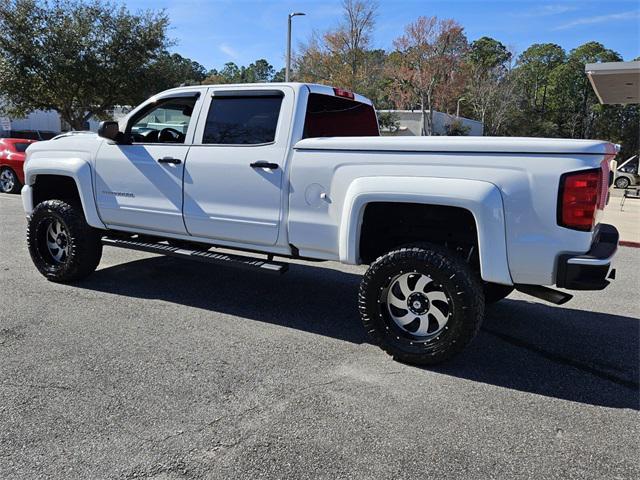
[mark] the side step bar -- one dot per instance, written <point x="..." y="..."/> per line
<point x="544" y="293"/>
<point x="200" y="255"/>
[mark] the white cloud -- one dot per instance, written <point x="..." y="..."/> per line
<point x="228" y="50"/>
<point x="548" y="10"/>
<point x="632" y="15"/>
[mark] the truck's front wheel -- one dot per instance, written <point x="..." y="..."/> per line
<point x="62" y="245"/>
<point x="421" y="305"/>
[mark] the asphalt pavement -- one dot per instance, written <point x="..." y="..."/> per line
<point x="164" y="369"/>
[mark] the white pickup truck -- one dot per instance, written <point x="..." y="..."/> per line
<point x="446" y="224"/>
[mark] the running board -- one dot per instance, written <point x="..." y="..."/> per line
<point x="544" y="293"/>
<point x="204" y="256"/>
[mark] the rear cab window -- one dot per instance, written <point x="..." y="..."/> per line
<point x="336" y="116"/>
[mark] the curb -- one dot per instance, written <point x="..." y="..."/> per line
<point x="629" y="243"/>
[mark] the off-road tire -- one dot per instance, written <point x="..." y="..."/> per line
<point x="461" y="285"/>
<point x="84" y="242"/>
<point x="17" y="186"/>
<point x="494" y="292"/>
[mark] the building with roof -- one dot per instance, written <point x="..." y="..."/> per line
<point x="615" y="82"/>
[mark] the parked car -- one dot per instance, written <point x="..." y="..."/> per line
<point x="445" y="224"/>
<point x="12" y="155"/>
<point x="627" y="173"/>
<point x="28" y="134"/>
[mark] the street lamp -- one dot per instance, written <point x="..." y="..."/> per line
<point x="288" y="69"/>
<point x="461" y="99"/>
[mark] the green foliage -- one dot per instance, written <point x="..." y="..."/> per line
<point x="388" y="121"/>
<point x="79" y="58"/>
<point x="533" y="74"/>
<point x="259" y="71"/>
<point x="170" y="70"/>
<point x="279" y="76"/>
<point x="457" y="129"/>
<point x="489" y="91"/>
<point x="555" y="98"/>
<point x="487" y="53"/>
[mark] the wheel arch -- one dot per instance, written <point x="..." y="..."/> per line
<point x="60" y="178"/>
<point x="481" y="199"/>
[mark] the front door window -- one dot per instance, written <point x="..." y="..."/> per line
<point x="164" y="122"/>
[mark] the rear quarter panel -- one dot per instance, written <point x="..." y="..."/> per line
<point x="527" y="184"/>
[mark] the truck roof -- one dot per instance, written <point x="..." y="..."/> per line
<point x="312" y="87"/>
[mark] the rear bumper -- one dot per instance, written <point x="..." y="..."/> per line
<point x="589" y="271"/>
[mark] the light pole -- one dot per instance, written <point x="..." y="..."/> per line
<point x="458" y="106"/>
<point x="288" y="68"/>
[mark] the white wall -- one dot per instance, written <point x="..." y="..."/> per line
<point x="38" y="120"/>
<point x="409" y="121"/>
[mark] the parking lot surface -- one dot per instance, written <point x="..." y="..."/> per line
<point x="157" y="368"/>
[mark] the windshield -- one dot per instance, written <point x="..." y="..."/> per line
<point x="21" y="147"/>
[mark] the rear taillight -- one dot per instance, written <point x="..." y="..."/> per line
<point x="580" y="196"/>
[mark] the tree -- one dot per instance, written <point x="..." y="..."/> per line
<point x="169" y="71"/>
<point x="457" y="129"/>
<point x="487" y="53"/>
<point x="426" y="69"/>
<point x="535" y="65"/>
<point x="575" y="103"/>
<point x="353" y="37"/>
<point x="490" y="89"/>
<point x="77" y="57"/>
<point x="388" y="121"/>
<point x="258" y="72"/>
<point x="343" y="57"/>
<point x="279" y="76"/>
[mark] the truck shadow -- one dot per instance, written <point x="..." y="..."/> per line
<point x="575" y="355"/>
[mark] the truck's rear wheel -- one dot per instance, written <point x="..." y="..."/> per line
<point x="62" y="245"/>
<point x="421" y="305"/>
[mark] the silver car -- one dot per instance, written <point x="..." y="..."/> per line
<point x="627" y="173"/>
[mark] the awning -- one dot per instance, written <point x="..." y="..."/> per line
<point x="615" y="82"/>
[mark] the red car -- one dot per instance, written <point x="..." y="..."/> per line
<point x="12" y="155"/>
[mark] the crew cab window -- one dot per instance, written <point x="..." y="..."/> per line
<point x="242" y="120"/>
<point x="329" y="116"/>
<point x="164" y="122"/>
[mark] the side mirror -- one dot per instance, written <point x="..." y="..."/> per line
<point x="109" y="130"/>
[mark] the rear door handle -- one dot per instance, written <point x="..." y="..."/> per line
<point x="263" y="164"/>
<point x="175" y="161"/>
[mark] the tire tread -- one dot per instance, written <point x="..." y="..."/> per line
<point x="436" y="257"/>
<point x="85" y="241"/>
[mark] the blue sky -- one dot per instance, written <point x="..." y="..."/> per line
<point x="218" y="31"/>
